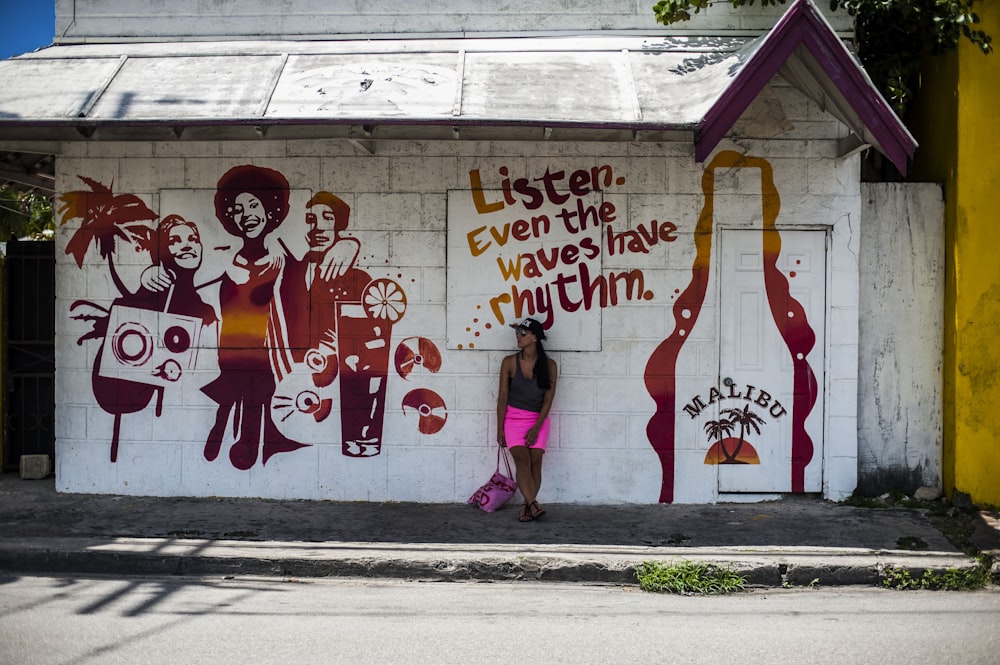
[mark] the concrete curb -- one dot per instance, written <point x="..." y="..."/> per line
<point x="765" y="567"/>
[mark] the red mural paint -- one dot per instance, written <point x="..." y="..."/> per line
<point x="356" y="315"/>
<point x="149" y="338"/>
<point x="799" y="337"/>
<point x="336" y="324"/>
<point x="250" y="202"/>
<point x="363" y="332"/>
<point x="288" y="326"/>
<point x="732" y="450"/>
<point x="789" y="316"/>
<point x="431" y="410"/>
<point x="417" y="352"/>
<point x="660" y="375"/>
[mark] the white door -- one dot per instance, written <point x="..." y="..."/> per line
<point x="769" y="436"/>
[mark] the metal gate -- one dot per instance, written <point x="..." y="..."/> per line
<point x="29" y="351"/>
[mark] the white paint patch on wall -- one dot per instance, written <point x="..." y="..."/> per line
<point x="902" y="298"/>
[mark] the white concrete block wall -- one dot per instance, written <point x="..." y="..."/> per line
<point x="81" y="20"/>
<point x="598" y="452"/>
<point x="900" y="421"/>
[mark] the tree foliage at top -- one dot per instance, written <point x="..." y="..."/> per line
<point x="24" y="215"/>
<point x="892" y="36"/>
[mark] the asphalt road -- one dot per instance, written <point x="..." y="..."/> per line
<point x="245" y="621"/>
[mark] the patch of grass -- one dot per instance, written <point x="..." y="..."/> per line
<point x="688" y="578"/>
<point x="812" y="584"/>
<point x="957" y="526"/>
<point x="952" y="579"/>
<point x="955" y="523"/>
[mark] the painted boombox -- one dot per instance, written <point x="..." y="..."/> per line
<point x="149" y="347"/>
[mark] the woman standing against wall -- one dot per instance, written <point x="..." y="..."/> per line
<point x="527" y="386"/>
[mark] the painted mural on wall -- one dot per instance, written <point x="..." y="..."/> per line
<point x="247" y="299"/>
<point x="253" y="297"/>
<point x="535" y="246"/>
<point x="749" y="408"/>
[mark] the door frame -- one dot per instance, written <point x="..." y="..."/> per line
<point x="824" y="397"/>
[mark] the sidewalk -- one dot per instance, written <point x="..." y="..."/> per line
<point x="793" y="541"/>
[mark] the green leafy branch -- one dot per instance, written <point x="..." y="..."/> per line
<point x="24" y="214"/>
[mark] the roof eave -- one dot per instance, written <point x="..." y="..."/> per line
<point x="803" y="25"/>
<point x="22" y="129"/>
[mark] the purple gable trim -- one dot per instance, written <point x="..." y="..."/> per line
<point x="802" y="25"/>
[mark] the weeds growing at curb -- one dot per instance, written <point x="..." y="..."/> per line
<point x="814" y="584"/>
<point x="688" y="578"/>
<point x="956" y="524"/>
<point x="952" y="579"/>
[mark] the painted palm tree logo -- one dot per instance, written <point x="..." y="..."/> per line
<point x="728" y="449"/>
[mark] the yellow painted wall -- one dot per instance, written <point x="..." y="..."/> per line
<point x="956" y="124"/>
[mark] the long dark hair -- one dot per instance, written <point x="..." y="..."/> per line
<point x="542" y="377"/>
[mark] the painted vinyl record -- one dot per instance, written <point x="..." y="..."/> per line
<point x="431" y="409"/>
<point x="414" y="352"/>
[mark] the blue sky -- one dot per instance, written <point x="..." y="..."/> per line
<point x="26" y="25"/>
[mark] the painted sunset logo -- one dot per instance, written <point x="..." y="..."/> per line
<point x="724" y="447"/>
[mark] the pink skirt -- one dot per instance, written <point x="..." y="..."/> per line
<point x="516" y="424"/>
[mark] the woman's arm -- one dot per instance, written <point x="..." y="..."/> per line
<point x="550" y="394"/>
<point x="506" y="371"/>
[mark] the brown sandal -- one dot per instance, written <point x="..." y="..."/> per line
<point x="536" y="510"/>
<point x="524" y="515"/>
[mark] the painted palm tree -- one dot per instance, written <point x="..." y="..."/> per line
<point x="717" y="429"/>
<point x="747" y="420"/>
<point x="105" y="218"/>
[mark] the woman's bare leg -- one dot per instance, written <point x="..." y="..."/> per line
<point x="523" y="472"/>
<point x="536" y="455"/>
<point x="536" y="468"/>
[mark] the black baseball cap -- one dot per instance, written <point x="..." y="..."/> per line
<point x="532" y="326"/>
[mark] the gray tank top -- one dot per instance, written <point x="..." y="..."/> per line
<point x="523" y="392"/>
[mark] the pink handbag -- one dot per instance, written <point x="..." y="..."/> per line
<point x="498" y="489"/>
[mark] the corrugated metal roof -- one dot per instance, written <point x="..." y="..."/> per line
<point x="587" y="81"/>
<point x="612" y="87"/>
